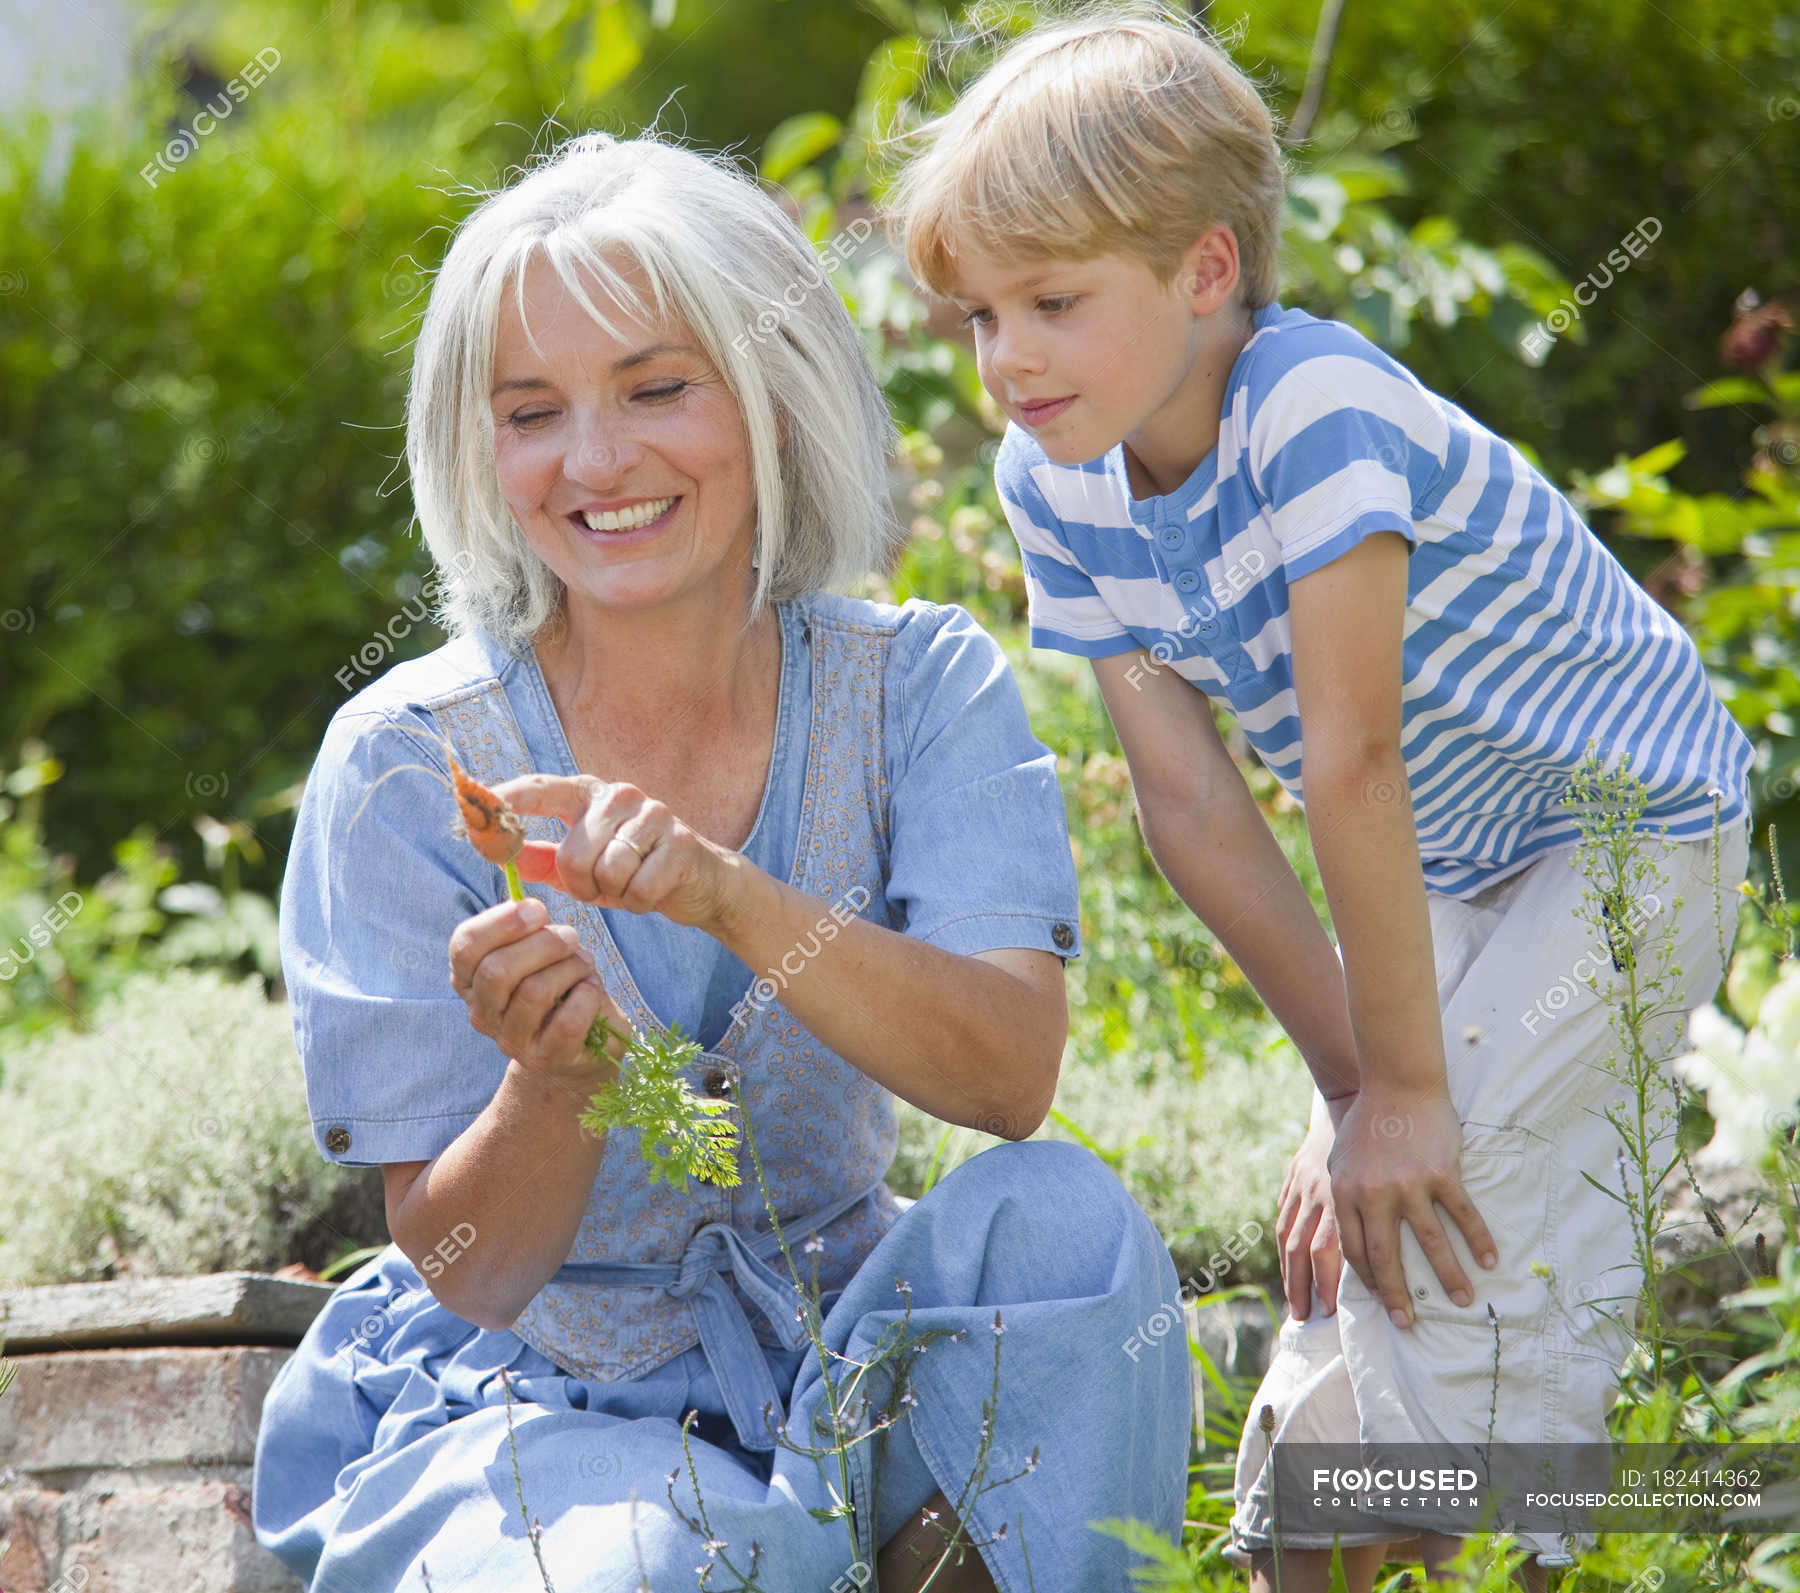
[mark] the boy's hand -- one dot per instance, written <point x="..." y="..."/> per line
<point x="1306" y="1230"/>
<point x="1397" y="1157"/>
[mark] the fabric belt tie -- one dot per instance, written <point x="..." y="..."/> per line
<point x="737" y="1360"/>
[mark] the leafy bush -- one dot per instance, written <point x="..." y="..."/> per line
<point x="172" y="1138"/>
<point x="65" y="946"/>
<point x="1203" y="1151"/>
<point x="1563" y="126"/>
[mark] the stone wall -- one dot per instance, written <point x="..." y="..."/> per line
<point x="126" y="1467"/>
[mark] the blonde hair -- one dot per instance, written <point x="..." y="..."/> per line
<point x="719" y="253"/>
<point x="1123" y="129"/>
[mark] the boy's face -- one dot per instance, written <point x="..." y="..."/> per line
<point x="1082" y="354"/>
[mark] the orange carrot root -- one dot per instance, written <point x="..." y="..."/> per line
<point x="485" y="821"/>
<point x="493" y="829"/>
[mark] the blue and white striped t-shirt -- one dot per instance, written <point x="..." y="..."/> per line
<point x="1524" y="638"/>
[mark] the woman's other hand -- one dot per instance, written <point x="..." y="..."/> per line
<point x="622" y="849"/>
<point x="532" y="990"/>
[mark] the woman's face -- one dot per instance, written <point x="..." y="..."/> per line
<point x="623" y="459"/>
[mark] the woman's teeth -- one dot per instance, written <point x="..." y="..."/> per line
<point x="627" y="519"/>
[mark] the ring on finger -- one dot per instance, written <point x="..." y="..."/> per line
<point x="626" y="840"/>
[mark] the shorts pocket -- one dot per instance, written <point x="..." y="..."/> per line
<point x="1506" y="1173"/>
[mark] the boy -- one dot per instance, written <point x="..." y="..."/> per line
<point x="1217" y="498"/>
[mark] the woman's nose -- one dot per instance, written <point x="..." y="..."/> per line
<point x="601" y="453"/>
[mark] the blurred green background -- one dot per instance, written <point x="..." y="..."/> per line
<point x="204" y="342"/>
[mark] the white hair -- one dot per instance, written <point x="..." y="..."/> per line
<point x="720" y="254"/>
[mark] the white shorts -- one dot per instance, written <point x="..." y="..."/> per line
<point x="1526" y="1043"/>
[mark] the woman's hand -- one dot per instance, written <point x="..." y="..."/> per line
<point x="623" y="849"/>
<point x="533" y="991"/>
<point x="1306" y="1230"/>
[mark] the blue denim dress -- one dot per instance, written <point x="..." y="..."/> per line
<point x="904" y="786"/>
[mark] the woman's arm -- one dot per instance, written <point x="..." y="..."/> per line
<point x="492" y="1216"/>
<point x="972" y="1039"/>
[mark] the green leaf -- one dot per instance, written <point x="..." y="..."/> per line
<point x="615" y="52"/>
<point x="1338" y="1583"/>
<point x="349" y="1261"/>
<point x="1728" y="390"/>
<point x="1660" y="459"/>
<point x="797" y="142"/>
<point x="680" y="1133"/>
<point x="1113" y="1158"/>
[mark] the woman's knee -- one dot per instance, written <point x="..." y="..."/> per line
<point x="1067" y="1197"/>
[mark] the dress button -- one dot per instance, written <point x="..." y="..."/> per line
<point x="337" y="1139"/>
<point x="1187" y="580"/>
<point x="1173" y="537"/>
<point x="716" y="1081"/>
<point x="1063" y="936"/>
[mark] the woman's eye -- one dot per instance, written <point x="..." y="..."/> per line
<point x="668" y="390"/>
<point x="523" y="419"/>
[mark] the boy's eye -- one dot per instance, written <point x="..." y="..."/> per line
<point x="1053" y="304"/>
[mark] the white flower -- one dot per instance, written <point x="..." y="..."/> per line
<point x="1751" y="1080"/>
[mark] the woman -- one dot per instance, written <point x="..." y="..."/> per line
<point x="815" y="832"/>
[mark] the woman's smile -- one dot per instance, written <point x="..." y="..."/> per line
<point x="635" y="522"/>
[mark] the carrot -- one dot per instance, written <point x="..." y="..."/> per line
<point x="489" y="825"/>
<point x="483" y="819"/>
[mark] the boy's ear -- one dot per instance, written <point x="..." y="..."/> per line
<point x="1209" y="270"/>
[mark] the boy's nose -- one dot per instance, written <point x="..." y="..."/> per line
<point x="1012" y="354"/>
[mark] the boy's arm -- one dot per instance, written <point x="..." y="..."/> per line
<point x="1207" y="836"/>
<point x="1398" y="1147"/>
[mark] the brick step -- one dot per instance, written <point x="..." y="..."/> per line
<point x="127" y="1468"/>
